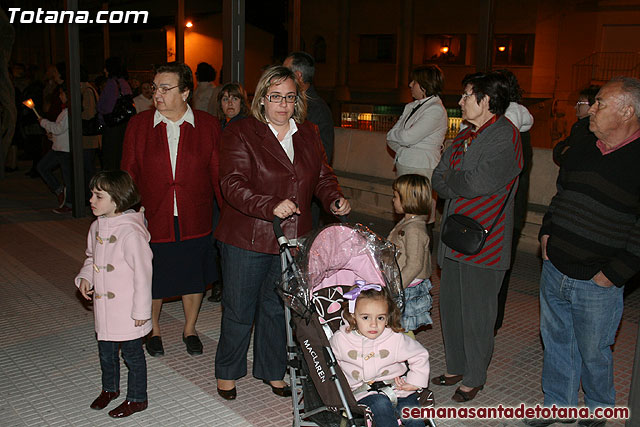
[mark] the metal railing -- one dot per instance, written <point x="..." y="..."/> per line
<point x="384" y="122"/>
<point x="600" y="67"/>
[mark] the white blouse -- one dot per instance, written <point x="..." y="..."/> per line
<point x="173" y="138"/>
<point x="287" y="141"/>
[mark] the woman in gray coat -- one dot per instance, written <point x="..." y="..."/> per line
<point x="475" y="176"/>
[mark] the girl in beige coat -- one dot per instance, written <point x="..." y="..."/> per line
<point x="412" y="198"/>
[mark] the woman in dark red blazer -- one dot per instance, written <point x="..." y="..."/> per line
<point x="271" y="164"/>
<point x="172" y="154"/>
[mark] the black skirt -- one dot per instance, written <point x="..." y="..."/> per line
<point x="182" y="267"/>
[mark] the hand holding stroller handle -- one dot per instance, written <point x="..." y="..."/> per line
<point x="343" y="218"/>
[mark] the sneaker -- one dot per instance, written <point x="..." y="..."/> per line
<point x="62" y="196"/>
<point x="62" y="210"/>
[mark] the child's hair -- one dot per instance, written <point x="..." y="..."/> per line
<point x="393" y="312"/>
<point x="119" y="185"/>
<point x="415" y="193"/>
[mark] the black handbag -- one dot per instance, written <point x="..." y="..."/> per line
<point x="122" y="111"/>
<point x="466" y="235"/>
<point x="92" y="126"/>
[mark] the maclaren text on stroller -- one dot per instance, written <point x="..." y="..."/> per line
<point x="326" y="264"/>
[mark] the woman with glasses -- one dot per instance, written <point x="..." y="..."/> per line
<point x="232" y="104"/>
<point x="477" y="178"/>
<point x="271" y="164"/>
<point x="172" y="155"/>
<point x="580" y="132"/>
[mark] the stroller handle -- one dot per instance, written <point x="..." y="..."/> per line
<point x="342" y="218"/>
<point x="277" y="229"/>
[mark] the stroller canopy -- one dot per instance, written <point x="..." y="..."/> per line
<point x="338" y="255"/>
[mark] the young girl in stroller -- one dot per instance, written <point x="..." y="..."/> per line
<point x="373" y="353"/>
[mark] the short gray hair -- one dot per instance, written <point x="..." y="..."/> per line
<point x="305" y="64"/>
<point x="631" y="91"/>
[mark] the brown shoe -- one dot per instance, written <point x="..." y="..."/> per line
<point x="465" y="396"/>
<point x="103" y="400"/>
<point x="127" y="408"/>
<point x="445" y="380"/>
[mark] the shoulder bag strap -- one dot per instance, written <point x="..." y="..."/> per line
<point x="119" y="88"/>
<point x="501" y="210"/>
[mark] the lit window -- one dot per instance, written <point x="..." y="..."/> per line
<point x="513" y="49"/>
<point x="444" y="48"/>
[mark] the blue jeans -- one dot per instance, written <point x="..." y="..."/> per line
<point x="48" y="164"/>
<point x="385" y="415"/>
<point x="110" y="364"/>
<point x="249" y="297"/>
<point x="578" y="323"/>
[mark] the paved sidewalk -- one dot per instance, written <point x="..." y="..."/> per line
<point x="49" y="368"/>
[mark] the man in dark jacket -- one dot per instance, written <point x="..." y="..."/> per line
<point x="590" y="239"/>
<point x="303" y="66"/>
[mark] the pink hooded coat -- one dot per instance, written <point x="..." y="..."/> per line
<point x="365" y="360"/>
<point x="118" y="267"/>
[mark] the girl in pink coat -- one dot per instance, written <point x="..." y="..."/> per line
<point x="374" y="353"/>
<point x="117" y="273"/>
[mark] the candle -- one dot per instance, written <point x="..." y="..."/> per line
<point x="29" y="104"/>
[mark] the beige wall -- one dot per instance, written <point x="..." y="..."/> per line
<point x="364" y="167"/>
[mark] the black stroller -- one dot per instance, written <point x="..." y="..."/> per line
<point x="325" y="265"/>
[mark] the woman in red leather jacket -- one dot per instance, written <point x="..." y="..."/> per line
<point x="271" y="164"/>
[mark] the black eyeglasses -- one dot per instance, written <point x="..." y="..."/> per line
<point x="289" y="98"/>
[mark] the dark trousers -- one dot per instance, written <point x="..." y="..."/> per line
<point x="50" y="162"/>
<point x="110" y="364"/>
<point x="468" y="304"/>
<point x="249" y="298"/>
<point x="519" y="216"/>
<point x="112" y="140"/>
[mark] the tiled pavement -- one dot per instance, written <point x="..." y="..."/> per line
<point x="49" y="368"/>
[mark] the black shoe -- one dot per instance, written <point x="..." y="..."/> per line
<point x="216" y="292"/>
<point x="194" y="345"/>
<point x="592" y="423"/>
<point x="536" y="422"/>
<point x="228" y="394"/>
<point x="154" y="346"/>
<point x="280" y="391"/>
